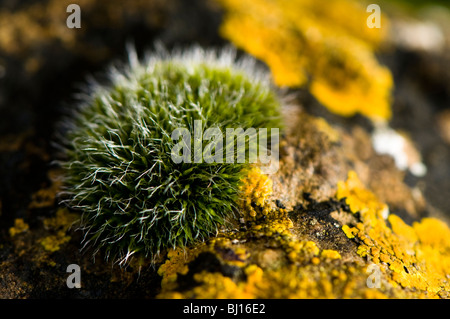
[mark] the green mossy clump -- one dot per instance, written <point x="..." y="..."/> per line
<point x="119" y="171"/>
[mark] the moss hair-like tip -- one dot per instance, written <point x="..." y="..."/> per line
<point x="117" y="149"/>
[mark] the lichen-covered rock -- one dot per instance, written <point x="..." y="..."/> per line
<point x="337" y="220"/>
<point x="325" y="242"/>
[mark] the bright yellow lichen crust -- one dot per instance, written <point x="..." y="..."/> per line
<point x="276" y="262"/>
<point x="326" y="44"/>
<point x="416" y="258"/>
<point x="176" y="264"/>
<point x="256" y="189"/>
<point x="273" y="259"/>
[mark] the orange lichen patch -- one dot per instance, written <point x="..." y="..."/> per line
<point x="176" y="263"/>
<point x="288" y="282"/>
<point x="360" y="199"/>
<point x="256" y="190"/>
<point x="330" y="254"/>
<point x="274" y="226"/>
<point x="301" y="251"/>
<point x="374" y="294"/>
<point x="326" y="42"/>
<point x="433" y="232"/>
<point x="218" y="286"/>
<point x="403" y="230"/>
<point x="290" y="268"/>
<point x="19" y="227"/>
<point x="350" y="232"/>
<point x="276" y="223"/>
<point x="58" y="226"/>
<point x="356" y="79"/>
<point x="434" y="249"/>
<point x="417" y="257"/>
<point x="295" y="283"/>
<point x="279" y="262"/>
<point x="215" y="285"/>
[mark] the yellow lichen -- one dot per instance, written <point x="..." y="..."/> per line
<point x="58" y="226"/>
<point x="175" y="264"/>
<point x="417" y="257"/>
<point x="19" y="227"/>
<point x="256" y="189"/>
<point x="53" y="242"/>
<point x="350" y="232"/>
<point x="288" y="283"/>
<point x="218" y="286"/>
<point x="292" y="269"/>
<point x="326" y="42"/>
<point x="330" y="254"/>
<point x="413" y="260"/>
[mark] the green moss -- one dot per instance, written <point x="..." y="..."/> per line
<point x="119" y="169"/>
